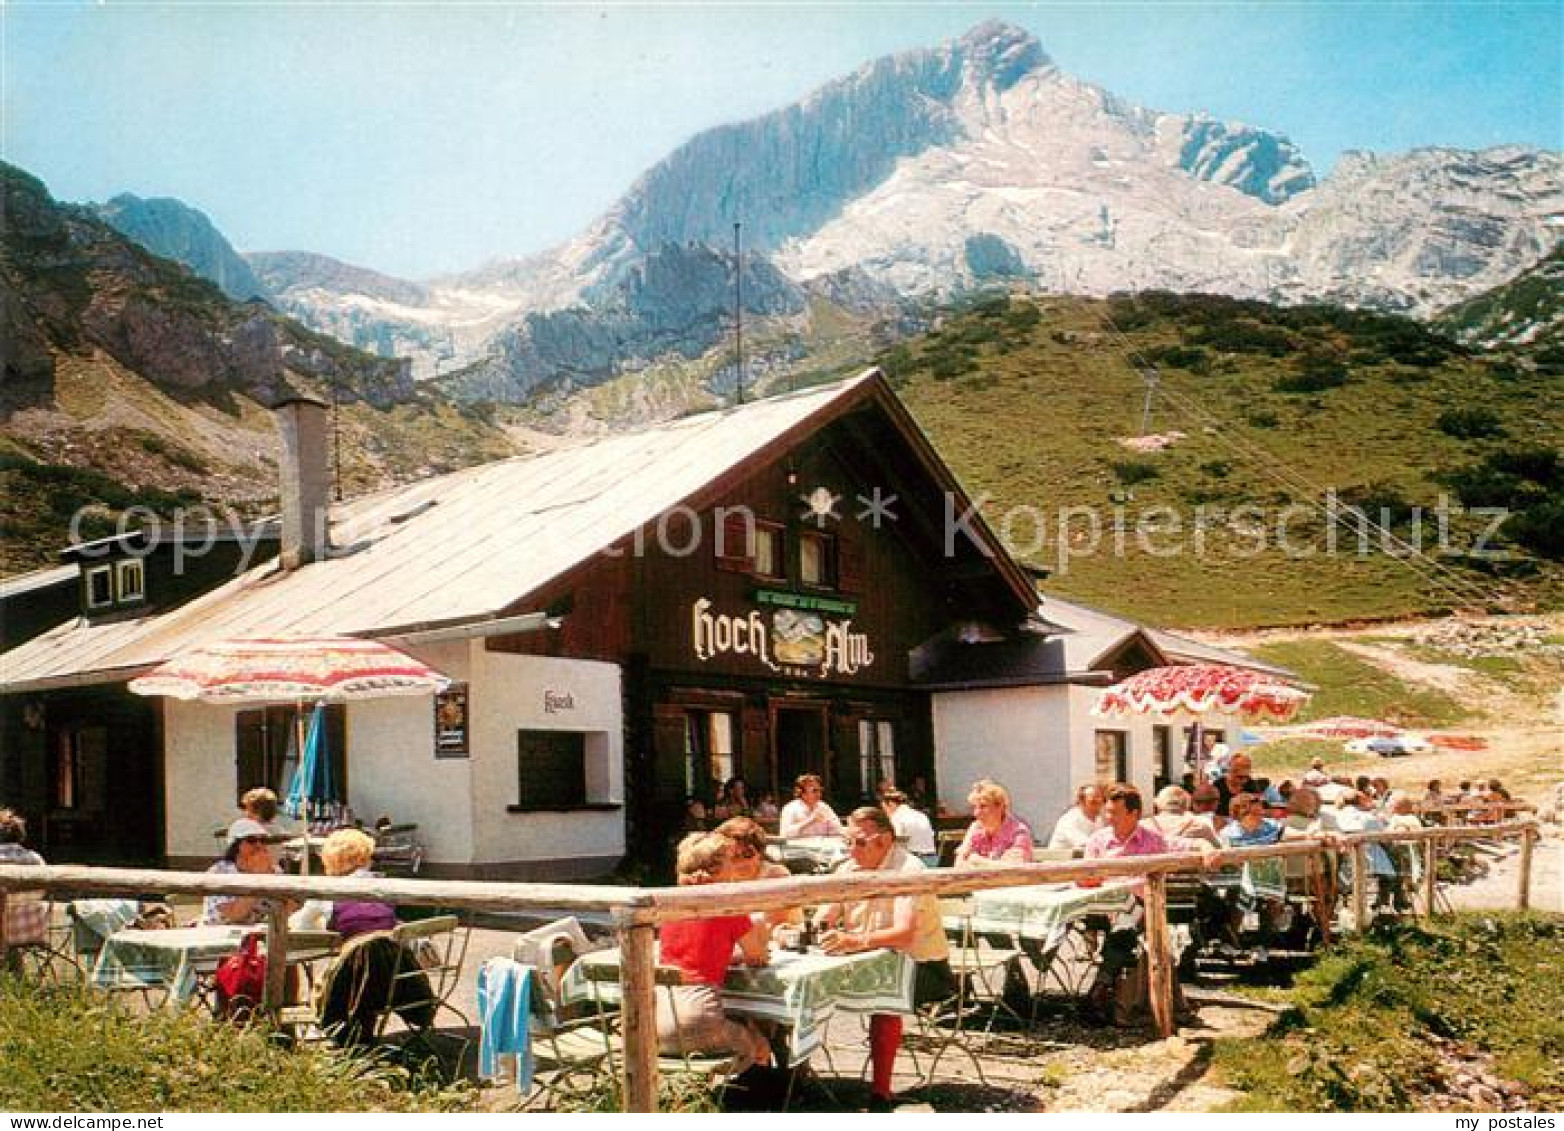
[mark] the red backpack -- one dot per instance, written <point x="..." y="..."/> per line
<point x="241" y="980"/>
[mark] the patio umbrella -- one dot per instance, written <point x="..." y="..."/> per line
<point x="300" y="669"/>
<point x="1199" y="690"/>
<point x="313" y="796"/>
<point x="277" y="669"/>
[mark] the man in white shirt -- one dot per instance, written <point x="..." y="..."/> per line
<point x="1075" y="828"/>
<point x="912" y="827"/>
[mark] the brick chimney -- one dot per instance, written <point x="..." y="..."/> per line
<point x="303" y="422"/>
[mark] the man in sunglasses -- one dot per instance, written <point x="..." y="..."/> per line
<point x="909" y="923"/>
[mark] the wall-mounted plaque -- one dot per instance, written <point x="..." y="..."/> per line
<point x="450" y="722"/>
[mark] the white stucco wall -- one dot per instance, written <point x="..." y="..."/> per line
<point x="1018" y="736"/>
<point x="1039" y="743"/>
<point x="507" y="695"/>
<point x="391" y="769"/>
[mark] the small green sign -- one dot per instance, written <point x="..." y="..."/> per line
<point x="806" y="601"/>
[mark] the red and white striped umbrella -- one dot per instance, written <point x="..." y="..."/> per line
<point x="1202" y="689"/>
<point x="273" y="669"/>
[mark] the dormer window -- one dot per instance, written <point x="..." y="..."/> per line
<point x="130" y="581"/>
<point x="100" y="587"/>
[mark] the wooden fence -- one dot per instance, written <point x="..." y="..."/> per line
<point x="636" y="912"/>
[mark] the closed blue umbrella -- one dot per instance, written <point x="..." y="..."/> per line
<point x="313" y="794"/>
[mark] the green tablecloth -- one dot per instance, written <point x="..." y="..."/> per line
<point x="798" y="991"/>
<point x="1044" y="912"/>
<point x="172" y="959"/>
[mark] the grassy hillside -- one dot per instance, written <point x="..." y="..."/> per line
<point x="1397" y="1019"/>
<point x="1030" y="400"/>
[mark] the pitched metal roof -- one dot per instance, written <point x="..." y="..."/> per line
<point x="1091" y="635"/>
<point x="458" y="547"/>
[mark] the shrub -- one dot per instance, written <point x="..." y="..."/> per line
<point x="67" y="1048"/>
<point x="1312" y="380"/>
<point x="1133" y="471"/>
<point x="1470" y="423"/>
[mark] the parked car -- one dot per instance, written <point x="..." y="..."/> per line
<point x="1398" y="745"/>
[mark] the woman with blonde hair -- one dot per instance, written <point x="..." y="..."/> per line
<point x="995" y="837"/>
<point x="691" y="1017"/>
<point x="347" y="852"/>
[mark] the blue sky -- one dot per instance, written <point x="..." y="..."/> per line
<point x="419" y="138"/>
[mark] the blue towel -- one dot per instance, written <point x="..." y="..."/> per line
<point x="504" y="1005"/>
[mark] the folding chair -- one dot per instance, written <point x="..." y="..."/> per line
<point x="428" y="968"/>
<point x="39" y="947"/>
<point x="716" y="1068"/>
<point x="570" y="1057"/>
<point x="978" y="960"/>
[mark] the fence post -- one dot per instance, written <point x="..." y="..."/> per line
<point x="1360" y="887"/>
<point x="1430" y="875"/>
<point x="1523" y="890"/>
<point x="1159" y="963"/>
<point x="3" y="940"/>
<point x="276" y="957"/>
<point x="638" y="979"/>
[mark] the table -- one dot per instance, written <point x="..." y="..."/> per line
<point x="1043" y="912"/>
<point x="814" y="853"/>
<point x="171" y="960"/>
<point x="798" y="991"/>
<point x="1257" y="880"/>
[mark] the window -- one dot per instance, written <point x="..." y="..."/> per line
<point x="551" y="769"/>
<point x="1113" y="756"/>
<point x="816" y="561"/>
<point x="266" y="744"/>
<point x="1162" y="748"/>
<point x="768" y="550"/>
<point x="130" y="580"/>
<point x="75" y="750"/>
<point x="876" y="754"/>
<point x="708" y="752"/>
<point x="100" y="587"/>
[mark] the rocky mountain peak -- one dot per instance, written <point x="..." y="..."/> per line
<point x="1000" y="53"/>
<point x="174" y="230"/>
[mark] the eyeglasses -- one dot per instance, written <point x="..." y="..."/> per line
<point x="744" y="853"/>
<point x="862" y="841"/>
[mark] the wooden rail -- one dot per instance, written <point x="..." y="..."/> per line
<point x="636" y="912"/>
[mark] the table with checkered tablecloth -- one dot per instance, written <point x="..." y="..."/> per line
<point x="1043" y="913"/>
<point x="798" y="991"/>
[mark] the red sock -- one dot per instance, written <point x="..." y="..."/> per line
<point x="884" y="1040"/>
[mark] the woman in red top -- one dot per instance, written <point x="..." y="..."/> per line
<point x="691" y="1018"/>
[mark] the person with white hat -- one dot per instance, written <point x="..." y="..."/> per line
<point x="249" y="851"/>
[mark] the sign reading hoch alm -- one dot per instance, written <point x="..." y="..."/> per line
<point x="787" y="639"/>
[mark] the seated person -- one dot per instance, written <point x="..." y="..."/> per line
<point x="260" y="805"/>
<point x="347" y="852"/>
<point x="1355" y="813"/>
<point x="912" y="826"/>
<point x="26" y="912"/>
<point x="995" y="838"/>
<point x="909" y="923"/>
<point x="1125" y="834"/>
<point x="750" y="863"/>
<point x="1173" y="817"/>
<point x="1081" y="820"/>
<point x="1203" y="801"/>
<point x="766" y="808"/>
<point x="733" y="800"/>
<point x="808" y="814"/>
<point x="249" y="851"/>
<point x="690" y="1017"/>
<point x="1249" y="828"/>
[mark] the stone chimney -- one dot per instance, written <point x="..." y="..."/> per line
<point x="303" y="422"/>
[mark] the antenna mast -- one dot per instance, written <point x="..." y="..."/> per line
<point x="738" y="310"/>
